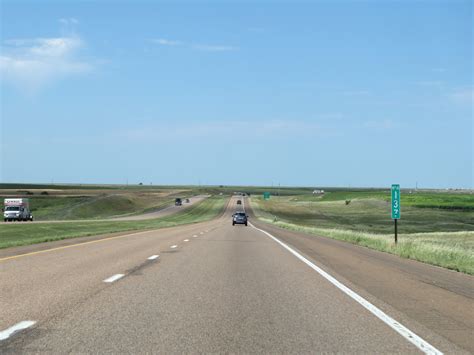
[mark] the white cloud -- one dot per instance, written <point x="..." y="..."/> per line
<point x="265" y="129"/>
<point x="33" y="63"/>
<point x="69" y="21"/>
<point x="356" y="93"/>
<point x="379" y="124"/>
<point x="463" y="96"/>
<point x="166" y="42"/>
<point x="55" y="47"/>
<point x="436" y="84"/>
<point x="200" y="47"/>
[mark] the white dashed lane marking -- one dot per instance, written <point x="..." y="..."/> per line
<point x="114" y="278"/>
<point x="7" y="333"/>
<point x="186" y="240"/>
<point x="195" y="236"/>
<point x="173" y="246"/>
<point x="153" y="257"/>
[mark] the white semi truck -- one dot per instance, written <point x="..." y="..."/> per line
<point x="17" y="209"/>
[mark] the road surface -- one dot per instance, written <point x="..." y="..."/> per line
<point x="211" y="287"/>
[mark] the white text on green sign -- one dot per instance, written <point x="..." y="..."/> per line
<point x="395" y="201"/>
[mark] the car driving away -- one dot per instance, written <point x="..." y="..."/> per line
<point x="239" y="218"/>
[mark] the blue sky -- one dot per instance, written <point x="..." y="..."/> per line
<point x="342" y="93"/>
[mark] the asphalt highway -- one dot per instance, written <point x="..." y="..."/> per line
<point x="212" y="287"/>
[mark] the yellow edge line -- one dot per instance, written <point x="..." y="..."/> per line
<point x="73" y="245"/>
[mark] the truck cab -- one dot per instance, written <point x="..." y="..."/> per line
<point x="17" y="209"/>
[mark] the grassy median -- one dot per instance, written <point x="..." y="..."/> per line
<point x="94" y="203"/>
<point x="438" y="230"/>
<point x="16" y="234"/>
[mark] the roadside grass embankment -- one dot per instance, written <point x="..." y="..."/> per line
<point x="435" y="236"/>
<point x="85" y="204"/>
<point x="24" y="234"/>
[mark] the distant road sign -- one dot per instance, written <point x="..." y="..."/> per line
<point x="395" y="201"/>
<point x="266" y="195"/>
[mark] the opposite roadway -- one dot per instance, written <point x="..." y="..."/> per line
<point x="212" y="287"/>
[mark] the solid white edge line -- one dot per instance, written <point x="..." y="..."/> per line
<point x="153" y="257"/>
<point x="420" y="343"/>
<point x="7" y="333"/>
<point x="114" y="278"/>
<point x="173" y="246"/>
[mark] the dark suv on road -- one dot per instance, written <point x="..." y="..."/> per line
<point x="239" y="218"/>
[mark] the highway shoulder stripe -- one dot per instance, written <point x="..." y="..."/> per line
<point x="420" y="343"/>
<point x="7" y="333"/>
<point x="114" y="278"/>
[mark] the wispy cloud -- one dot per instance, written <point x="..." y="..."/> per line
<point x="33" y="63"/>
<point x="265" y="129"/>
<point x="437" y="84"/>
<point x="196" y="46"/>
<point x="379" y="124"/>
<point x="69" y="21"/>
<point x="463" y="95"/>
<point x="356" y="93"/>
<point x="166" y="42"/>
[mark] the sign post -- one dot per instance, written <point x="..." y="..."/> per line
<point x="396" y="207"/>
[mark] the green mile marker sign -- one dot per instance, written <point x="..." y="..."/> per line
<point x="395" y="201"/>
<point x="266" y="195"/>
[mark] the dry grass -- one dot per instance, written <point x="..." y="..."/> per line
<point x="450" y="249"/>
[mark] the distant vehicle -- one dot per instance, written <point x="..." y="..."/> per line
<point x="187" y="200"/>
<point x="239" y="218"/>
<point x="239" y="202"/>
<point x="17" y="209"/>
<point x="178" y="202"/>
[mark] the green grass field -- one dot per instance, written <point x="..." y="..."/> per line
<point x="25" y="234"/>
<point x="437" y="228"/>
<point x="370" y="211"/>
<point x="98" y="203"/>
